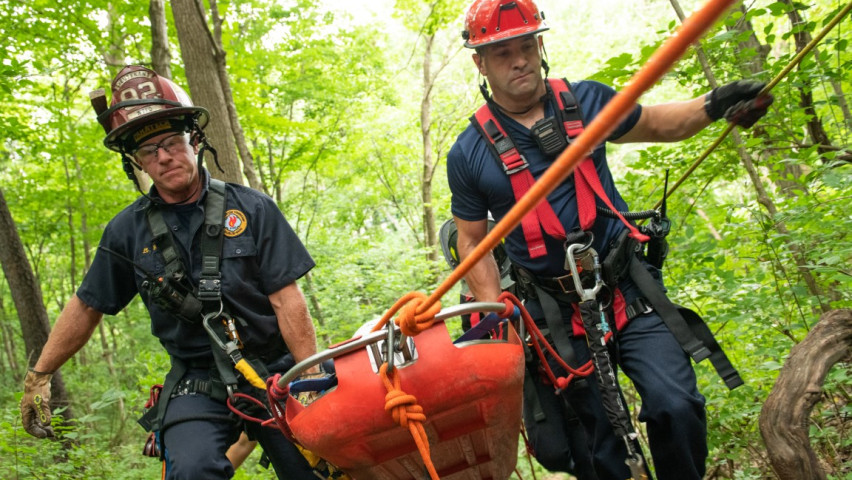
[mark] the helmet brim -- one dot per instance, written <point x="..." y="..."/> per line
<point x="117" y="138"/>
<point x="507" y="35"/>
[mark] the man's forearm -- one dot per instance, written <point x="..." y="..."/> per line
<point x="294" y="321"/>
<point x="72" y="330"/>
<point x="484" y="280"/>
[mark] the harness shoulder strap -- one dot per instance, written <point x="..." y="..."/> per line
<point x="517" y="168"/>
<point x="210" y="284"/>
<point x="163" y="240"/>
<point x="587" y="183"/>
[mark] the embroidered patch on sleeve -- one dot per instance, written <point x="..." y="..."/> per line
<point x="235" y="223"/>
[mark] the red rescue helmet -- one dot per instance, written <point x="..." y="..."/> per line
<point x="491" y="21"/>
<point x="144" y="105"/>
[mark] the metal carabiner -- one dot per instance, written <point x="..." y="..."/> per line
<point x="584" y="293"/>
<point x="212" y="333"/>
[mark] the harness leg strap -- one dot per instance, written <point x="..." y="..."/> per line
<point x="690" y="331"/>
<point x="668" y="311"/>
<point x="558" y="331"/>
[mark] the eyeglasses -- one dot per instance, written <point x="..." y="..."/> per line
<point x="148" y="153"/>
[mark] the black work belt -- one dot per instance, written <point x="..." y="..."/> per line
<point x="614" y="268"/>
<point x="192" y="386"/>
<point x="561" y="287"/>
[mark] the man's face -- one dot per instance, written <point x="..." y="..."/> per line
<point x="170" y="161"/>
<point x="512" y="67"/>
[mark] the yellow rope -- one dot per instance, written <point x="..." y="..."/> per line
<point x="769" y="86"/>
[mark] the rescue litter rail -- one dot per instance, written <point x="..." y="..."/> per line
<point x="377" y="336"/>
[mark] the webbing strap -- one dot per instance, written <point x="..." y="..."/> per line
<point x="558" y="332"/>
<point x="163" y="241"/>
<point x="153" y="419"/>
<point x="587" y="183"/>
<point x="210" y="283"/>
<point x="517" y="168"/>
<point x="605" y="372"/>
<point x="693" y="335"/>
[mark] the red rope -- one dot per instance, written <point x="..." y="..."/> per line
<point x="538" y="340"/>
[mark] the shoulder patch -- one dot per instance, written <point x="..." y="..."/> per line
<point x="235" y="223"/>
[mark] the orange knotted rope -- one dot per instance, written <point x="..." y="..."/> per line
<point x="413" y="318"/>
<point x="414" y="314"/>
<point x="408" y="414"/>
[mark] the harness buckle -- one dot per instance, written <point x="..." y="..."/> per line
<point x="514" y="166"/>
<point x="569" y="288"/>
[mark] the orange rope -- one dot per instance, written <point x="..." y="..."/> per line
<point x="417" y="311"/>
<point x="608" y="119"/>
<point x="408" y="414"/>
<point x="414" y="316"/>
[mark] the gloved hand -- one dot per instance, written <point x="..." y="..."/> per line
<point x="308" y="397"/>
<point x="35" y="404"/>
<point x="738" y="102"/>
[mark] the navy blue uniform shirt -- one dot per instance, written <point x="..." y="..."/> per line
<point x="479" y="185"/>
<point x="260" y="255"/>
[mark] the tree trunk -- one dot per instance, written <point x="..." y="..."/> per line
<point x="816" y="131"/>
<point x="9" y="343"/>
<point x="198" y="52"/>
<point x="784" y="418"/>
<point x="316" y="308"/>
<point x="161" y="57"/>
<point x="26" y="294"/>
<point x="430" y="232"/>
<point x="228" y="95"/>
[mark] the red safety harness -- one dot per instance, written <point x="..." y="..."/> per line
<point x="587" y="183"/>
<point x="688" y="328"/>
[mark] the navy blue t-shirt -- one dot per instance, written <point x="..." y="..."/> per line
<point x="260" y="255"/>
<point x="479" y="185"/>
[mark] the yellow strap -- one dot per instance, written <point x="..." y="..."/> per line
<point x="245" y="368"/>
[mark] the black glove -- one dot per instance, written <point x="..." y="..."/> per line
<point x="738" y="102"/>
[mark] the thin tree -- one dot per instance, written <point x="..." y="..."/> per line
<point x="26" y="294"/>
<point x="161" y="56"/>
<point x="198" y="53"/>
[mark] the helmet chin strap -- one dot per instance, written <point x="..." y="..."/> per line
<point x="129" y="165"/>
<point x="205" y="146"/>
<point x="544" y="64"/>
<point x="483" y="89"/>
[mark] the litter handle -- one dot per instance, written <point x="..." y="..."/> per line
<point x="377" y="336"/>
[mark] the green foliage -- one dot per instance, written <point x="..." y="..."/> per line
<point x="331" y="107"/>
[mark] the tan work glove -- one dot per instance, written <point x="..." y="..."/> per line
<point x="35" y="404"/>
<point x="307" y="398"/>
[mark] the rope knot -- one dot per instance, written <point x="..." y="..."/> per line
<point x="404" y="408"/>
<point x="412" y="318"/>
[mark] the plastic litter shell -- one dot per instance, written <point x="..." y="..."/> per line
<point x="471" y="394"/>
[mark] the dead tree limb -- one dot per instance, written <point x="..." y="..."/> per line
<point x="785" y="417"/>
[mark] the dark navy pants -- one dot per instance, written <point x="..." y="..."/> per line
<point x="672" y="408"/>
<point x="557" y="437"/>
<point x="199" y="431"/>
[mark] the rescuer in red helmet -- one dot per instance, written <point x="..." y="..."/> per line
<point x="582" y="267"/>
<point x="215" y="264"/>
